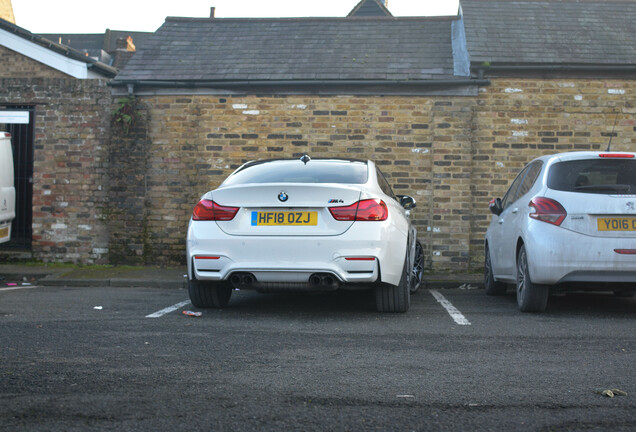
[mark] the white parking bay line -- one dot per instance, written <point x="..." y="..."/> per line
<point x="167" y="310"/>
<point x="452" y="310"/>
<point x="13" y="288"/>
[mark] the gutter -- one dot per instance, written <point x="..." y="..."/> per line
<point x="131" y="84"/>
<point x="481" y="70"/>
<point x="105" y="69"/>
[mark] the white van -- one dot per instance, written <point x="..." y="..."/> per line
<point x="7" y="189"/>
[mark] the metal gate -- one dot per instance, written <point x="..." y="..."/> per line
<point x="18" y="120"/>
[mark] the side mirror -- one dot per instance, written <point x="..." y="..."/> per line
<point x="495" y="206"/>
<point x="407" y="202"/>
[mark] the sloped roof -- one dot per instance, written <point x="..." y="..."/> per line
<point x="111" y="36"/>
<point x="54" y="47"/>
<point x="77" y="41"/>
<point x="101" y="46"/>
<point x="368" y="8"/>
<point x="97" y="41"/>
<point x="560" y="32"/>
<point x="91" y="44"/>
<point x="295" y="49"/>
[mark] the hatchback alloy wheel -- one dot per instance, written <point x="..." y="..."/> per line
<point x="531" y="297"/>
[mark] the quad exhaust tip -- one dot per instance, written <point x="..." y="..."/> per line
<point x="242" y="280"/>
<point x="319" y="281"/>
<point x="322" y="280"/>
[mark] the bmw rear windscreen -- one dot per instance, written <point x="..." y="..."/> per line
<point x="344" y="172"/>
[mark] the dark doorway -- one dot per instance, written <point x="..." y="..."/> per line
<point x="22" y="141"/>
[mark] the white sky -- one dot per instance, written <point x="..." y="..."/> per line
<point x="86" y="16"/>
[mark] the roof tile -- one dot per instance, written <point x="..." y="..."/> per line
<point x="551" y="32"/>
<point x="297" y="48"/>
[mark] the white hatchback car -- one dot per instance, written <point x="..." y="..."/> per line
<point x="7" y="188"/>
<point x="304" y="225"/>
<point x="567" y="222"/>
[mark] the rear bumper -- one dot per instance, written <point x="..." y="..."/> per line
<point x="363" y="254"/>
<point x="5" y="232"/>
<point x="557" y="255"/>
<point x="268" y="274"/>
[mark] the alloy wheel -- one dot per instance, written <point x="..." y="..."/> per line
<point x="522" y="266"/>
<point x="418" y="267"/>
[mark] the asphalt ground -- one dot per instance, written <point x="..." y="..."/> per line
<point x="114" y="358"/>
<point x="156" y="277"/>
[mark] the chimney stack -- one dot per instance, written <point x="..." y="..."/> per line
<point x="130" y="45"/>
<point x="6" y="11"/>
<point x="212" y="12"/>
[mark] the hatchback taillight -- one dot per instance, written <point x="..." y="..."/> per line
<point x="625" y="251"/>
<point x="547" y="210"/>
<point x="207" y="210"/>
<point x="365" y="210"/>
<point x="616" y="155"/>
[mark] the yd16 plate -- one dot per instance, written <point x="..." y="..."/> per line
<point x="616" y="224"/>
<point x="4" y="232"/>
<point x="284" y="218"/>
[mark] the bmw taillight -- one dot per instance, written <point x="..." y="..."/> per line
<point x="365" y="210"/>
<point x="547" y="210"/>
<point x="207" y="210"/>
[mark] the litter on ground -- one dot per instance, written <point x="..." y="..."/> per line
<point x="192" y="314"/>
<point x="610" y="392"/>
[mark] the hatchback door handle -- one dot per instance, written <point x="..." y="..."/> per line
<point x="500" y="221"/>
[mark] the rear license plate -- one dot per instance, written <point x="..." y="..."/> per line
<point x="274" y="218"/>
<point x="616" y="224"/>
<point x="4" y="232"/>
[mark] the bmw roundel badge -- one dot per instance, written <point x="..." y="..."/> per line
<point x="282" y="197"/>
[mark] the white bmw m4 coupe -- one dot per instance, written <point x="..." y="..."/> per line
<point x="304" y="225"/>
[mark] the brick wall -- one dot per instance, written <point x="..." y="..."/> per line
<point x="70" y="159"/>
<point x="129" y="238"/>
<point x="453" y="154"/>
<point x="15" y="65"/>
<point x="190" y="144"/>
<point x="104" y="196"/>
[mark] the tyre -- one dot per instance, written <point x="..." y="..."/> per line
<point x="209" y="294"/>
<point x="392" y="298"/>
<point x="418" y="267"/>
<point x="493" y="288"/>
<point x="531" y="297"/>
